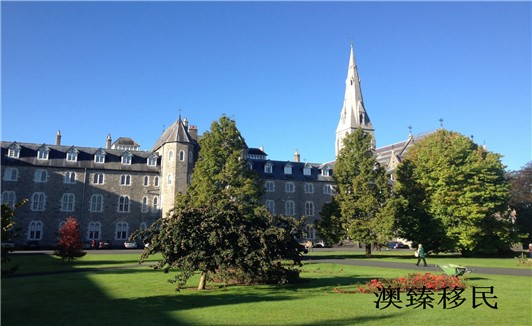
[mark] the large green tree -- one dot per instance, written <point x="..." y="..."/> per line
<point x="219" y="227"/>
<point x="452" y="195"/>
<point x="361" y="207"/>
<point x="521" y="201"/>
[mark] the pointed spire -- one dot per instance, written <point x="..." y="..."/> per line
<point x="353" y="114"/>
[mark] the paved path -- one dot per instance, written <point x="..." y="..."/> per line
<point x="429" y="268"/>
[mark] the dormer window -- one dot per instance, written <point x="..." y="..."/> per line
<point x="42" y="153"/>
<point x="152" y="160"/>
<point x="307" y="170"/>
<point x="326" y="171"/>
<point x="288" y="168"/>
<point x="99" y="156"/>
<point x="126" y="158"/>
<point x="72" y="155"/>
<point x="13" y="150"/>
<point x="268" y="167"/>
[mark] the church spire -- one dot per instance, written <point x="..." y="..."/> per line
<point x="353" y="114"/>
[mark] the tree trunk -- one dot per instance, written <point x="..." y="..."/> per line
<point x="202" y="281"/>
<point x="368" y="250"/>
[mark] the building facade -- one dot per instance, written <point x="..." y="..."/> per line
<point x="117" y="189"/>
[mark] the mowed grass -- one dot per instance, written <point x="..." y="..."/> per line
<point x="138" y="295"/>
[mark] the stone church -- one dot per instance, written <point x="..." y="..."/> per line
<point x="116" y="189"/>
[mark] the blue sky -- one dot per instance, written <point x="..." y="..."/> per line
<point x="279" y="69"/>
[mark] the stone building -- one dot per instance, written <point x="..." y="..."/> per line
<point x="117" y="189"/>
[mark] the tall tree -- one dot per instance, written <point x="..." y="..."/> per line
<point x="453" y="196"/>
<point x="363" y="193"/>
<point x="70" y="246"/>
<point x="219" y="226"/>
<point x="521" y="201"/>
<point x="9" y="232"/>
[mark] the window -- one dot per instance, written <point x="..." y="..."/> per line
<point x="61" y="224"/>
<point x="328" y="189"/>
<point x="155" y="204"/>
<point x="35" y="230"/>
<point x="270" y="204"/>
<point x="144" y="207"/>
<point x="309" y="208"/>
<point x="190" y="157"/>
<point x="169" y="178"/>
<point x="96" y="203"/>
<point x="95" y="230"/>
<point x="146" y="181"/>
<point x="269" y="186"/>
<point x="126" y="158"/>
<point x="38" y="200"/>
<point x="181" y="155"/>
<point x="13" y="150"/>
<point x="98" y="178"/>
<point x="289" y="187"/>
<point x="67" y="202"/>
<point x="99" y="157"/>
<point x="288" y="168"/>
<point x="310" y="231"/>
<point x="268" y="168"/>
<point x="152" y="160"/>
<point x="307" y="170"/>
<point x="290" y="208"/>
<point x="40" y="175"/>
<point x="11" y="174"/>
<point x="121" y="231"/>
<point x="170" y="156"/>
<point x="143" y="226"/>
<point x="325" y="171"/>
<point x="309" y="188"/>
<point x="70" y="177"/>
<point x="42" y="153"/>
<point x="125" y="180"/>
<point x="123" y="204"/>
<point x="156" y="181"/>
<point x="72" y="155"/>
<point x="9" y="198"/>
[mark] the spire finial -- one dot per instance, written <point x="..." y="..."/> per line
<point x="441" y="123"/>
<point x="409" y="130"/>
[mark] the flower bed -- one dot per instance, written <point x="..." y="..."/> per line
<point x="412" y="281"/>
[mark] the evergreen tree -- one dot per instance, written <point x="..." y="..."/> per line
<point x="453" y="195"/>
<point x="219" y="227"/>
<point x="363" y="193"/>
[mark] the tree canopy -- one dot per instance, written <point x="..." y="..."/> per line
<point x="452" y="195"/>
<point x="363" y="193"/>
<point x="219" y="227"/>
<point x="70" y="246"/>
<point x="521" y="201"/>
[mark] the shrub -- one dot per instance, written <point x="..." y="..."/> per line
<point x="414" y="281"/>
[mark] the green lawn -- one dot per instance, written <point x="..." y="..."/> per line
<point x="132" y="295"/>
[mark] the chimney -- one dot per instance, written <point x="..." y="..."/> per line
<point x="58" y="138"/>
<point x="296" y="157"/>
<point x="185" y="123"/>
<point x="108" y="141"/>
<point x="193" y="131"/>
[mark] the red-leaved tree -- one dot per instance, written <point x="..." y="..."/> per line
<point x="70" y="246"/>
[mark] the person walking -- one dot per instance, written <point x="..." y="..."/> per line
<point x="421" y="255"/>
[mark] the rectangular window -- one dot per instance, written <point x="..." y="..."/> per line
<point x="126" y="159"/>
<point x="72" y="156"/>
<point x="99" y="158"/>
<point x="42" y="154"/>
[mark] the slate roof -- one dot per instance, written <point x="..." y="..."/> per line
<point x="176" y="133"/>
<point x="57" y="158"/>
<point x="297" y="171"/>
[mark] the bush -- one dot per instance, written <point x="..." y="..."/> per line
<point x="414" y="281"/>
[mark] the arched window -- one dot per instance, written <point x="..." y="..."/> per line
<point x="123" y="204"/>
<point x="11" y="174"/>
<point x="67" y="202"/>
<point x="270" y="204"/>
<point x="170" y="156"/>
<point x="146" y="180"/>
<point x="35" y="230"/>
<point x="290" y="208"/>
<point x="144" y="207"/>
<point x="289" y="187"/>
<point x="155" y="204"/>
<point x="94" y="231"/>
<point x="307" y="170"/>
<point x="38" y="200"/>
<point x="98" y="178"/>
<point x="288" y="168"/>
<point x="309" y="208"/>
<point x="309" y="188"/>
<point x="181" y="155"/>
<point x="269" y="186"/>
<point x="40" y="175"/>
<point x="70" y="177"/>
<point x="9" y="198"/>
<point x="268" y="167"/>
<point x="156" y="181"/>
<point x="125" y="180"/>
<point x="96" y="203"/>
<point x="122" y="229"/>
<point x="169" y="179"/>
